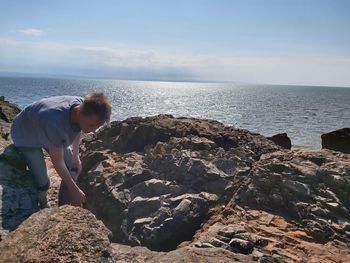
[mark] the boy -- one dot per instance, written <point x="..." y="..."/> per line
<point x="55" y="124"/>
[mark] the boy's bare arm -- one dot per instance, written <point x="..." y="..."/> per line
<point x="57" y="158"/>
<point x="75" y="144"/>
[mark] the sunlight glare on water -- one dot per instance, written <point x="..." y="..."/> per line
<point x="303" y="112"/>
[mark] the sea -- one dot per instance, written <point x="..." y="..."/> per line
<point x="303" y="112"/>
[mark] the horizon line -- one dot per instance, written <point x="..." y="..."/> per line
<point x="82" y="77"/>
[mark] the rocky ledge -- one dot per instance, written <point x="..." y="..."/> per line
<point x="7" y="112"/>
<point x="188" y="190"/>
<point x="159" y="177"/>
<point x="72" y="234"/>
<point x="338" y="140"/>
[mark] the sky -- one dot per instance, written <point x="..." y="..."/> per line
<point x="297" y="42"/>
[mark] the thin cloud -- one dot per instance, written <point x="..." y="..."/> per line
<point x="97" y="61"/>
<point x="32" y="32"/>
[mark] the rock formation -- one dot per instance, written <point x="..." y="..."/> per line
<point x="158" y="192"/>
<point x="158" y="177"/>
<point x="282" y="140"/>
<point x="7" y="112"/>
<point x="64" y="234"/>
<point x="311" y="188"/>
<point x="184" y="190"/>
<point x="293" y="207"/>
<point x="73" y="234"/>
<point x="338" y="140"/>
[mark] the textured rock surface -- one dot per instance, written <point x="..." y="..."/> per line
<point x="17" y="192"/>
<point x="65" y="234"/>
<point x="158" y="177"/>
<point x="338" y="140"/>
<point x="282" y="140"/>
<point x="293" y="207"/>
<point x="72" y="234"/>
<point x="4" y="140"/>
<point x="266" y="237"/>
<point x="290" y="203"/>
<point x="310" y="187"/>
<point x="7" y="112"/>
<point x="123" y="253"/>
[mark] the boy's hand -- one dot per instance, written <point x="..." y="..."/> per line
<point x="78" y="197"/>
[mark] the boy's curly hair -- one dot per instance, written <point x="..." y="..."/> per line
<point x="97" y="103"/>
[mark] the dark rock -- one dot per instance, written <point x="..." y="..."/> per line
<point x="296" y="185"/>
<point x="64" y="234"/>
<point x="157" y="177"/>
<point x="13" y="156"/>
<point x="338" y="140"/>
<point x="241" y="245"/>
<point x="282" y="140"/>
<point x="73" y="234"/>
<point x="8" y="110"/>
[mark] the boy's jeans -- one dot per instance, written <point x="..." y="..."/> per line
<point x="36" y="163"/>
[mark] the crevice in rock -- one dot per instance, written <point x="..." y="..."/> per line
<point x="154" y="181"/>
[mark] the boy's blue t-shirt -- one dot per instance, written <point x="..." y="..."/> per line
<point x="46" y="123"/>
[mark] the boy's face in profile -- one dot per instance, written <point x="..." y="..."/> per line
<point x="89" y="123"/>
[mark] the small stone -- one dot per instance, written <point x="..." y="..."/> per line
<point x="257" y="254"/>
<point x="218" y="243"/>
<point x="346" y="226"/>
<point x="183" y="207"/>
<point x="207" y="245"/>
<point x="332" y="205"/>
<point x="297" y="187"/>
<point x="231" y="231"/>
<point x="242" y="246"/>
<point x="142" y="221"/>
<point x="223" y="238"/>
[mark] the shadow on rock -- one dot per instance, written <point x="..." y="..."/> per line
<point x="17" y="190"/>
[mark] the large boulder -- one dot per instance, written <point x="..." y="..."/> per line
<point x="187" y="254"/>
<point x="338" y="140"/>
<point x="153" y="180"/>
<point x="64" y="234"/>
<point x="265" y="237"/>
<point x="291" y="206"/>
<point x="310" y="187"/>
<point x="8" y="110"/>
<point x="281" y="139"/>
<point x="73" y="234"/>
